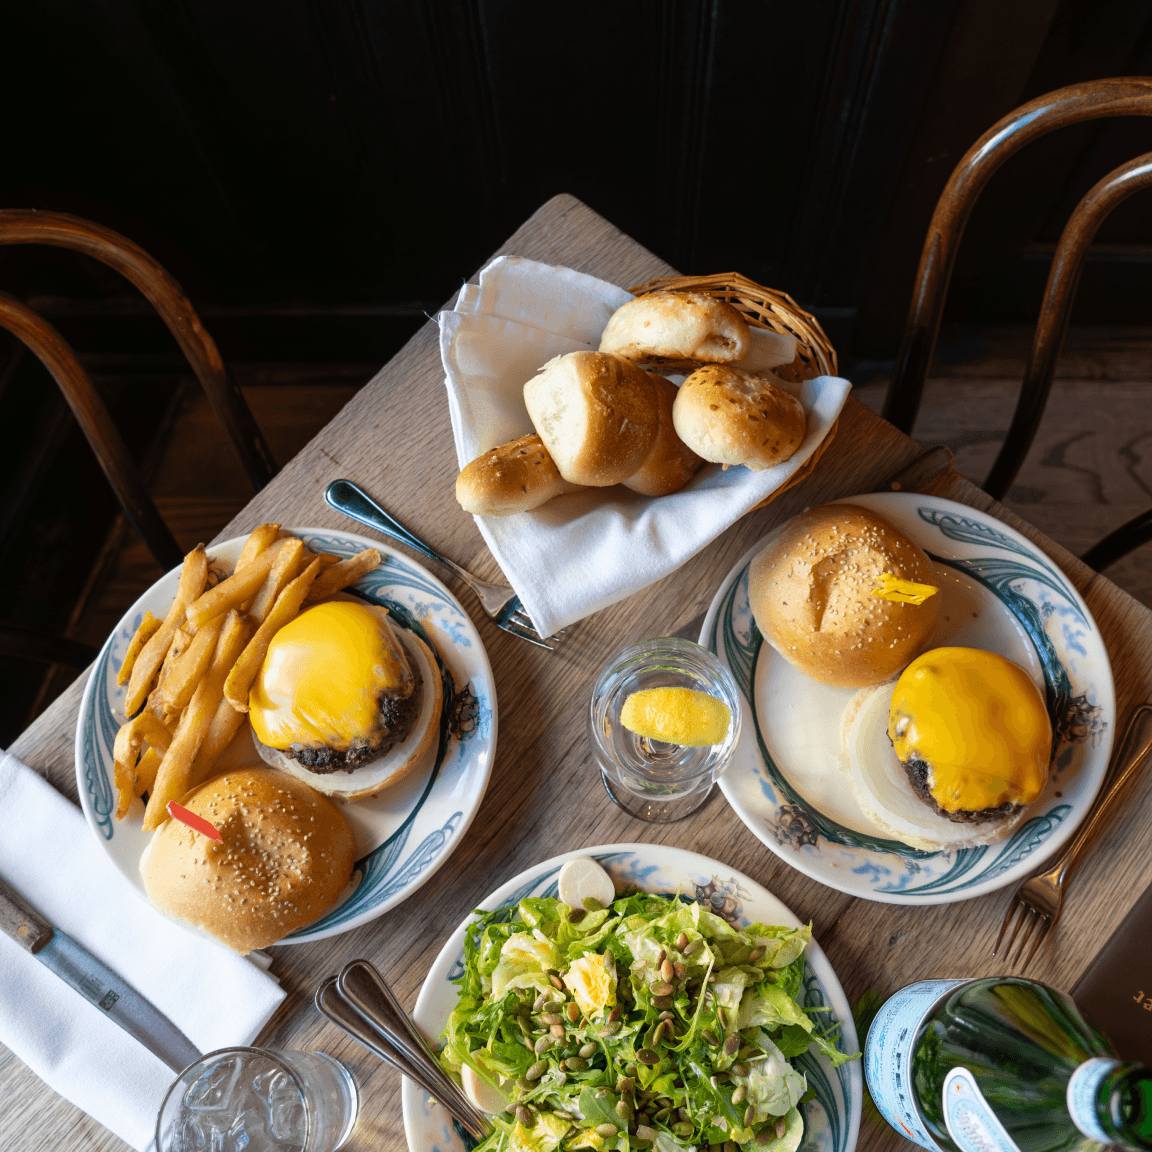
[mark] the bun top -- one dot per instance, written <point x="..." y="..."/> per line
<point x="812" y="591"/>
<point x="322" y="677"/>
<point x="597" y="414"/>
<point x="676" y="331"/>
<point x="287" y="854"/>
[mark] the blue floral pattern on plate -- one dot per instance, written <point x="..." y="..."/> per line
<point x="411" y="844"/>
<point x="1031" y="592"/>
<point x="832" y="1119"/>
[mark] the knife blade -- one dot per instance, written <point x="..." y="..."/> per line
<point x="94" y="980"/>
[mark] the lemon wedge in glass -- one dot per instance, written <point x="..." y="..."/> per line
<point x="676" y="716"/>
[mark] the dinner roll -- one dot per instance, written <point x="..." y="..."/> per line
<point x="514" y="477"/>
<point x="730" y="416"/>
<point x="811" y="591"/>
<point x="676" y="332"/>
<point x="597" y="415"/>
<point x="671" y="463"/>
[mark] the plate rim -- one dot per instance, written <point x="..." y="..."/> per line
<point x="817" y="960"/>
<point x="305" y="935"/>
<point x="829" y="875"/>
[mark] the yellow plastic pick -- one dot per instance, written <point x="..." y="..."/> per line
<point x="903" y="591"/>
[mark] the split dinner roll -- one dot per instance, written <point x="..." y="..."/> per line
<point x="596" y="414"/>
<point x="514" y="477"/>
<point x="287" y="854"/>
<point x="731" y="416"/>
<point x="676" y="332"/>
<point x="811" y="591"/>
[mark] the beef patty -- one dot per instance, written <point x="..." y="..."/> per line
<point x="918" y="777"/>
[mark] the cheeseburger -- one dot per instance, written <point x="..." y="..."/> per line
<point x="951" y="754"/>
<point x="843" y="595"/>
<point x="345" y="702"/>
<point x="284" y="857"/>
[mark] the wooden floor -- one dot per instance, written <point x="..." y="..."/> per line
<point x="1088" y="472"/>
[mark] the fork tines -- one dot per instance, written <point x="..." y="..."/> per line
<point x="1029" y="917"/>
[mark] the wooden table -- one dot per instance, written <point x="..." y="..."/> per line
<point x="544" y="797"/>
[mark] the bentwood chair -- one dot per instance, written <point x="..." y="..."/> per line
<point x="24" y="226"/>
<point x="1123" y="96"/>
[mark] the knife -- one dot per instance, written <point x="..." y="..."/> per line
<point x="94" y="980"/>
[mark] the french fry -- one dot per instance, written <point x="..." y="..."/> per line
<point x="175" y="688"/>
<point x="193" y="576"/>
<point x="232" y="592"/>
<point x="221" y="732"/>
<point x="344" y="573"/>
<point x="148" y="628"/>
<point x="260" y="539"/>
<point x="284" y="609"/>
<point x="146" y="771"/>
<point x="289" y="563"/>
<point x="174" y="773"/>
<point x="133" y="735"/>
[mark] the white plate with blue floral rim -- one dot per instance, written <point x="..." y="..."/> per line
<point x="831" y="1118"/>
<point x="998" y="591"/>
<point x="402" y="835"/>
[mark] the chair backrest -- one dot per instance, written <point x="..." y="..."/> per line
<point x="27" y="226"/>
<point x="1123" y="96"/>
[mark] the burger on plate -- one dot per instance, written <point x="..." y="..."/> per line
<point x="344" y="701"/>
<point x="952" y="753"/>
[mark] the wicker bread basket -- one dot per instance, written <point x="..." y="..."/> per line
<point x="766" y="308"/>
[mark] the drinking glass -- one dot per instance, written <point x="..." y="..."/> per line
<point x="650" y="779"/>
<point x="258" y="1099"/>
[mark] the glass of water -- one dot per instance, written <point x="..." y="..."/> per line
<point x="258" y="1099"/>
<point x="650" y="779"/>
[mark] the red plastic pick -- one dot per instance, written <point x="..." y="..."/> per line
<point x="196" y="823"/>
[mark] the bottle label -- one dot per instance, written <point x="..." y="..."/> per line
<point x="971" y="1123"/>
<point x="888" y="1056"/>
<point x="1083" y="1092"/>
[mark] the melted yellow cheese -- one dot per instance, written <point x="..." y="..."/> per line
<point x="322" y="677"/>
<point x="980" y="724"/>
<point x="903" y="591"/>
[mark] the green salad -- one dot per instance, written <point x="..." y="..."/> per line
<point x="651" y="1023"/>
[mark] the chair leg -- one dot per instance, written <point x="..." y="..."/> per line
<point x="1127" y="537"/>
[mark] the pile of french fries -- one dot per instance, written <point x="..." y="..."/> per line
<point x="189" y="674"/>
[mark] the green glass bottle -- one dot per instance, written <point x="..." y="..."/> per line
<point x="1002" y="1065"/>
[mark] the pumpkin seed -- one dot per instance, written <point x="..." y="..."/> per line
<point x="536" y="1071"/>
<point x="572" y="1012"/>
<point x="576" y="915"/>
<point x="556" y="983"/>
<point x="575" y="1064"/>
<point x="679" y="971"/>
<point x="764" y="1137"/>
<point x="666" y="969"/>
<point x="587" y="1051"/>
<point x="647" y="1056"/>
<point x="710" y="1037"/>
<point x="611" y="1028"/>
<point x="749" y="1115"/>
<point x="557" y="1030"/>
<point x="625" y="1111"/>
<point x="731" y="1146"/>
<point x="661" y="1002"/>
<point x="625" y="1086"/>
<point x="739" y="1069"/>
<point x="781" y="1128"/>
<point x="543" y="1044"/>
<point x="643" y="1132"/>
<point x="731" y="1045"/>
<point x="661" y="958"/>
<point x="682" y="941"/>
<point x="541" y="1000"/>
<point x="684" y="1128"/>
<point x="549" y="1018"/>
<point x="524" y="1115"/>
<point x="606" y="1130"/>
<point x="683" y="1113"/>
<point x="616" y="1013"/>
<point x="591" y="904"/>
<point x="739" y="1096"/>
<point x="692" y="946"/>
<point x="664" y="989"/>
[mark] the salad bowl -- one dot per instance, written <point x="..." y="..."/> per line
<point x="831" y="1117"/>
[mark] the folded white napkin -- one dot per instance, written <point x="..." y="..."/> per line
<point x="216" y="998"/>
<point x="585" y="550"/>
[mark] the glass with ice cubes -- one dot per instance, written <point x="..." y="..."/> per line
<point x="257" y="1099"/>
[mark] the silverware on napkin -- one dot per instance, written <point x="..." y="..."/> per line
<point x="361" y="1004"/>
<point x="94" y="980"/>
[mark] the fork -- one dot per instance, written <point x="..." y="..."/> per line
<point x="498" y="600"/>
<point x="1041" y="898"/>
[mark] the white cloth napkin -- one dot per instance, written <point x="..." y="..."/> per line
<point x="585" y="550"/>
<point x="216" y="998"/>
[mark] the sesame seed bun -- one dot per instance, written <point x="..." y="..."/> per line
<point x="286" y="856"/>
<point x="811" y="593"/>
